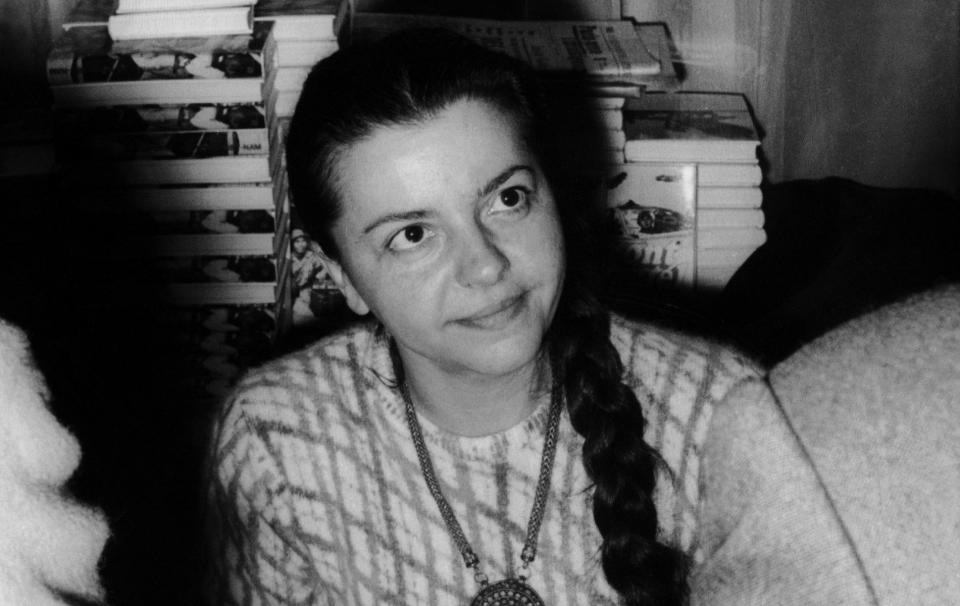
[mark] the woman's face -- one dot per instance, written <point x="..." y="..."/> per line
<point x="450" y="236"/>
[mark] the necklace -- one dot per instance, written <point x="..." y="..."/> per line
<point x="510" y="591"/>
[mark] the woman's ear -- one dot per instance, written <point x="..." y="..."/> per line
<point x="354" y="301"/>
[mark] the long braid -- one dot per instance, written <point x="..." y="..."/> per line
<point x="618" y="461"/>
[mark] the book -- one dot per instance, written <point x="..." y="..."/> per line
<point x="204" y="269"/>
<point x="219" y="221"/>
<point x="724" y="257"/>
<point x="599" y="50"/>
<point x="168" y="144"/>
<point x="730" y="238"/>
<point x="163" y="92"/>
<point x="651" y="211"/>
<point x="728" y="197"/>
<point x="729" y="174"/>
<point x="193" y="245"/>
<point x="692" y="127"/>
<point x="178" y="199"/>
<point x="87" y="55"/>
<point x="155" y="117"/>
<point x="181" y="23"/>
<point x="179" y="171"/>
<point x="305" y="19"/>
<point x="146" y="6"/>
<point x="296" y="53"/>
<point x="288" y="77"/>
<point x="709" y="218"/>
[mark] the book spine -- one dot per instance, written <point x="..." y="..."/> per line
<point x="168" y="145"/>
<point x="161" y="92"/>
<point x="221" y="221"/>
<point x="67" y="67"/>
<point x="245" y="269"/>
<point x="170" y="24"/>
<point x="729" y="197"/>
<point x="238" y="169"/>
<point x="729" y="175"/>
<point x="709" y="218"/>
<point x="730" y="238"/>
<point x="160" y="118"/>
<point x="234" y="198"/>
<point x="147" y="6"/>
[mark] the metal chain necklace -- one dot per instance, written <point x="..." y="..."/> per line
<point x="510" y="591"/>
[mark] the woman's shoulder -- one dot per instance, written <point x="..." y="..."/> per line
<point x="650" y="349"/>
<point x="322" y="378"/>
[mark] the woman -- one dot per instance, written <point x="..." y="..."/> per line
<point x="491" y="430"/>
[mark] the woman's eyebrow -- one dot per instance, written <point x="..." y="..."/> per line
<point x="393" y="217"/>
<point x="501" y="178"/>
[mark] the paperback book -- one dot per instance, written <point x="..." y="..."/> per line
<point x="690" y="127"/>
<point x="305" y="19"/>
<point x="88" y="55"/>
<point x="167" y="145"/>
<point x="155" y="117"/>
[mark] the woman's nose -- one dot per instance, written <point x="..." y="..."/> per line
<point x="480" y="261"/>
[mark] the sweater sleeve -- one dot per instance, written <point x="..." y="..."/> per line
<point x="258" y="560"/>
<point x="769" y="531"/>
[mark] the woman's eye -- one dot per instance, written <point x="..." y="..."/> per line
<point x="408" y="237"/>
<point x="512" y="198"/>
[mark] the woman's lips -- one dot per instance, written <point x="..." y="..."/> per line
<point x="497" y="315"/>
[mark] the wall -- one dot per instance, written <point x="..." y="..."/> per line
<point x="865" y="89"/>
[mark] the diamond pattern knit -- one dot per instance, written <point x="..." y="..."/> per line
<point x="319" y="498"/>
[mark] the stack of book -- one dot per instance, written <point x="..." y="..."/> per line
<point x="686" y="199"/>
<point x="162" y="140"/>
<point x="301" y="33"/>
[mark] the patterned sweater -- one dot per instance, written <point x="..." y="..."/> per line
<point x="320" y="499"/>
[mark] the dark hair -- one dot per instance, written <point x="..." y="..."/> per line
<point x="408" y="78"/>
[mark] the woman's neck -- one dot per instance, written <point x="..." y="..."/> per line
<point x="474" y="405"/>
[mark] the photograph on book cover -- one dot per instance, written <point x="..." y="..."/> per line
<point x="651" y="211"/>
<point x="318" y="305"/>
<point x="154" y="117"/>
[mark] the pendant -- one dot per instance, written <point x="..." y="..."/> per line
<point x="508" y="592"/>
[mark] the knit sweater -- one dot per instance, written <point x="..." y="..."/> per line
<point x="321" y="500"/>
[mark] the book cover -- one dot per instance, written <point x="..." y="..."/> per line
<point x="87" y="55"/>
<point x="691" y="127"/>
<point x="154" y="117"/>
<point x="181" y="23"/>
<point x="601" y="50"/>
<point x="203" y="269"/>
<point x="165" y="145"/>
<point x="652" y="212"/>
<point x="221" y="221"/>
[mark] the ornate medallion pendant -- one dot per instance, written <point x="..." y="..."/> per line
<point x="508" y="592"/>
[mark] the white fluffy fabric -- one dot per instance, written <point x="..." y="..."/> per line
<point x="50" y="545"/>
